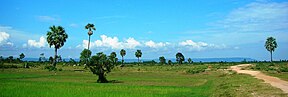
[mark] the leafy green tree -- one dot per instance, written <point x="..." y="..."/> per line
<point x="162" y="60"/>
<point x="112" y="58"/>
<point x="169" y="62"/>
<point x="99" y="65"/>
<point x="51" y="59"/>
<point x="190" y="60"/>
<point x="10" y="58"/>
<point x="180" y="58"/>
<point x="56" y="37"/>
<point x="85" y="55"/>
<point x="138" y="54"/>
<point x="122" y="53"/>
<point x="271" y="45"/>
<point x="21" y="56"/>
<point x="90" y="27"/>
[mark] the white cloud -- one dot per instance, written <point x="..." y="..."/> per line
<point x="47" y="18"/>
<point x="257" y="17"/>
<point x="73" y="25"/>
<point x="39" y="44"/>
<point x="10" y="43"/>
<point x="4" y="37"/>
<point x="200" y="45"/>
<point x="131" y="43"/>
<point x="152" y="44"/>
<point x="112" y="42"/>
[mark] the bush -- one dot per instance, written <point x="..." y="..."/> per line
<point x="197" y="69"/>
<point x="50" y="68"/>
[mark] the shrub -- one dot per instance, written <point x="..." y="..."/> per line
<point x="50" y="68"/>
<point x="197" y="69"/>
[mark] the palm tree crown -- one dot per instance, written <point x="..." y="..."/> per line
<point x="138" y="54"/>
<point x="90" y="27"/>
<point x="122" y="52"/>
<point x="56" y="36"/>
<point x="271" y="45"/>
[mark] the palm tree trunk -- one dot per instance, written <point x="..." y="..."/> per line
<point x="122" y="60"/>
<point x="55" y="58"/>
<point x="271" y="56"/>
<point x="89" y="42"/>
<point x="138" y="61"/>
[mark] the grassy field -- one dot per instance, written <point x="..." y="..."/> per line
<point x="134" y="81"/>
<point x="279" y="69"/>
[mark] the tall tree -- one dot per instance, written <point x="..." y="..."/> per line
<point x="99" y="65"/>
<point x="90" y="27"/>
<point x="51" y="59"/>
<point x="10" y="58"/>
<point x="162" y="60"/>
<point x="169" y="62"/>
<point x="190" y="60"/>
<point x="56" y="37"/>
<point x="122" y="53"/>
<point x="179" y="58"/>
<point x="21" y="56"/>
<point x="138" y="54"/>
<point x="271" y="45"/>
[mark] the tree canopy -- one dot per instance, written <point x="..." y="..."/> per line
<point x="271" y="45"/>
<point x="180" y="58"/>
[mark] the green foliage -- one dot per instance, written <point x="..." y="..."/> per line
<point x="190" y="60"/>
<point x="113" y="58"/>
<point x="170" y="62"/>
<point x="122" y="53"/>
<point x="50" y="68"/>
<point x="279" y="67"/>
<point x="138" y="54"/>
<point x="85" y="55"/>
<point x="90" y="27"/>
<point x="101" y="64"/>
<point x="197" y="69"/>
<point x="162" y="60"/>
<point x="56" y="37"/>
<point x="271" y="45"/>
<point x="180" y="58"/>
<point x="149" y="81"/>
<point x="21" y="56"/>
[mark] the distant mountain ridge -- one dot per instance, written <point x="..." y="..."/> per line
<point x="232" y="59"/>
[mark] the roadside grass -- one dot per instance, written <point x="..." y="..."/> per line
<point x="278" y="69"/>
<point x="133" y="81"/>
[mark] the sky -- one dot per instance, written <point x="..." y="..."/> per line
<point x="196" y="28"/>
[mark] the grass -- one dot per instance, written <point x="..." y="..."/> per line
<point x="278" y="69"/>
<point x="134" y="81"/>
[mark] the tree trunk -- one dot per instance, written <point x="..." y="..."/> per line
<point x="102" y="78"/>
<point x="89" y="42"/>
<point x="122" y="60"/>
<point x="138" y="61"/>
<point x="271" y="56"/>
<point x="55" y="58"/>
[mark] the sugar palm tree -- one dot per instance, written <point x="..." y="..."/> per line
<point x="138" y="54"/>
<point x="122" y="53"/>
<point x="271" y="45"/>
<point x="90" y="27"/>
<point x="56" y="37"/>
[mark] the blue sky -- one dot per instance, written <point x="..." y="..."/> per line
<point x="197" y="28"/>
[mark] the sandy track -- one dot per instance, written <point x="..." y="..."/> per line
<point x="274" y="81"/>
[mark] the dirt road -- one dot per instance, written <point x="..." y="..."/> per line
<point x="274" y="81"/>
